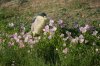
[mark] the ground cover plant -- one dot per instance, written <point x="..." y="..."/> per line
<point x="70" y="38"/>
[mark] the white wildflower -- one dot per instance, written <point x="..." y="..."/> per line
<point x="62" y="35"/>
<point x="51" y="23"/>
<point x="94" y="43"/>
<point x="65" y="39"/>
<point x="81" y="38"/>
<point x="74" y="40"/>
<point x="96" y="49"/>
<point x="86" y="41"/>
<point x="28" y="51"/>
<point x="82" y="29"/>
<point x="68" y="33"/>
<point x="95" y="33"/>
<point x="65" y="50"/>
<point x="19" y="37"/>
<point x="57" y="49"/>
<point x="64" y="45"/>
<point x="26" y="39"/>
<point x="11" y="24"/>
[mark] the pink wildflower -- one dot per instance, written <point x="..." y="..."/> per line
<point x="87" y="27"/>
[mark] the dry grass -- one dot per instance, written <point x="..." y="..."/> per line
<point x="55" y="8"/>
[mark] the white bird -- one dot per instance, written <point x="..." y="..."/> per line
<point x="38" y="23"/>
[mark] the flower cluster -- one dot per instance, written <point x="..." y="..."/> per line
<point x="22" y="39"/>
<point x="84" y="29"/>
<point x="50" y="29"/>
<point x="81" y="37"/>
<point x="76" y="39"/>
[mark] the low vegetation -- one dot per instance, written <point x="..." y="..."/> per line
<point x="71" y="37"/>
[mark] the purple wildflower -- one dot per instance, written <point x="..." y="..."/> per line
<point x="46" y="29"/>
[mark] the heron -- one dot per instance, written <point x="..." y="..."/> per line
<point x="38" y="23"/>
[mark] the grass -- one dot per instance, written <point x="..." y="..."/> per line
<point x="49" y="52"/>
